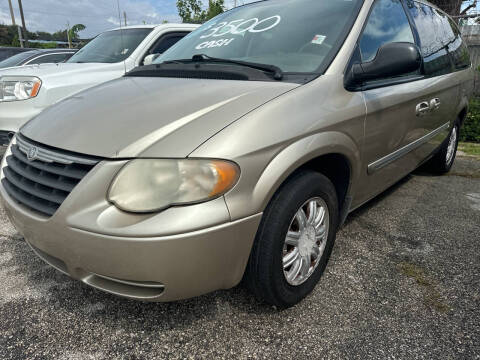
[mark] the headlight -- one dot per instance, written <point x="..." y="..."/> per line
<point x="148" y="185"/>
<point x="13" y="88"/>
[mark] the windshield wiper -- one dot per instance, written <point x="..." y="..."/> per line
<point x="272" y="69"/>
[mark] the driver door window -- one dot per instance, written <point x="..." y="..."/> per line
<point x="387" y="23"/>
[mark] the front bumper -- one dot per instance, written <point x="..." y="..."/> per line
<point x="14" y="114"/>
<point x="5" y="137"/>
<point x="179" y="253"/>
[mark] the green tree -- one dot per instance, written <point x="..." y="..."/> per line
<point x="215" y="7"/>
<point x="73" y="33"/>
<point x="60" y="35"/>
<point x="75" y="29"/>
<point x="4" y="37"/>
<point x="191" y="11"/>
<point x="456" y="7"/>
<point x="15" y="41"/>
<point x="7" y="34"/>
<point x="43" y="35"/>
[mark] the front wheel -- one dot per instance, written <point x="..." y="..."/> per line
<point x="294" y="240"/>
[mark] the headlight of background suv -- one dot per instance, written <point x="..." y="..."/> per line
<point x="14" y="88"/>
<point x="148" y="185"/>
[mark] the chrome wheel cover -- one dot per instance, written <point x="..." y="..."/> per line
<point x="305" y="241"/>
<point x="452" y="143"/>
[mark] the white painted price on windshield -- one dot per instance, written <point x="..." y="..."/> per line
<point x="237" y="27"/>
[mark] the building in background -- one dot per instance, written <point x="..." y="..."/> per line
<point x="471" y="34"/>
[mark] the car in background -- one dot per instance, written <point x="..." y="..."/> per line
<point x="6" y="52"/>
<point x="26" y="91"/>
<point x="38" y="56"/>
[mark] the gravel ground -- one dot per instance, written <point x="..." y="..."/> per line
<point x="403" y="282"/>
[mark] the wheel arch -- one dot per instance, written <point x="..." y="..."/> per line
<point x="462" y="110"/>
<point x="333" y="154"/>
<point x="462" y="115"/>
<point x="338" y="169"/>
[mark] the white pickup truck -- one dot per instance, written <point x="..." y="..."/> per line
<point x="26" y="91"/>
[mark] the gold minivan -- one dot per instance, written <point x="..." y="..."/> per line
<point x="241" y="150"/>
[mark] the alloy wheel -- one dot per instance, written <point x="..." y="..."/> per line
<point x="305" y="241"/>
<point x="452" y="144"/>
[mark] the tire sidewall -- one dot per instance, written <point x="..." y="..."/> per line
<point x="310" y="185"/>
<point x="449" y="164"/>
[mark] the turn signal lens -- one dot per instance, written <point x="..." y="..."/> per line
<point x="226" y="176"/>
<point x="14" y="88"/>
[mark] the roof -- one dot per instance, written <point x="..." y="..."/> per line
<point x="15" y="48"/>
<point x="47" y="51"/>
<point x="149" y="26"/>
<point x="51" y="41"/>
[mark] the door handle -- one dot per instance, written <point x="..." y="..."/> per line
<point x="423" y="109"/>
<point x="435" y="104"/>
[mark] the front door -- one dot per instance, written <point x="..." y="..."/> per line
<point x="392" y="124"/>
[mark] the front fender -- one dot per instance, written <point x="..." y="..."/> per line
<point x="270" y="143"/>
<point x="242" y="201"/>
<point x="300" y="153"/>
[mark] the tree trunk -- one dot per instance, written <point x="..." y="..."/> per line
<point x="452" y="7"/>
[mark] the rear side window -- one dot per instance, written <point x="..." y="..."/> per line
<point x="458" y="49"/>
<point x="387" y="23"/>
<point x="437" y="38"/>
<point x="166" y="42"/>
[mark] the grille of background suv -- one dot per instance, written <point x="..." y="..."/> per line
<point x="40" y="177"/>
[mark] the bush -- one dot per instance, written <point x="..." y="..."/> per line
<point x="471" y="127"/>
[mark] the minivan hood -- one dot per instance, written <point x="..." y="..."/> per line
<point x="148" y="117"/>
<point x="44" y="71"/>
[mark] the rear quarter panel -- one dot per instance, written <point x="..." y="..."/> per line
<point x="467" y="86"/>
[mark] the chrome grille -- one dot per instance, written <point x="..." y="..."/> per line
<point x="41" y="178"/>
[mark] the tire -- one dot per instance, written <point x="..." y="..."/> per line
<point x="265" y="275"/>
<point x="443" y="160"/>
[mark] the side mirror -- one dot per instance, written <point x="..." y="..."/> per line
<point x="149" y="59"/>
<point x="393" y="59"/>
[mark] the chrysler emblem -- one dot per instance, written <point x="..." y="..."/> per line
<point x="32" y="153"/>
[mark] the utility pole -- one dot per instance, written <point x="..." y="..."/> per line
<point x="125" y="17"/>
<point x="234" y="3"/>
<point x="68" y="36"/>
<point x="14" y="24"/>
<point x="25" y="34"/>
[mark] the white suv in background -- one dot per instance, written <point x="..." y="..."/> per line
<point x="26" y="91"/>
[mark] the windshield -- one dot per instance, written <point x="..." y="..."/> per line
<point x="16" y="60"/>
<point x="111" y="46"/>
<point x="294" y="35"/>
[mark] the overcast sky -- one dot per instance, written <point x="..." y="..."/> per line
<point x="97" y="15"/>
